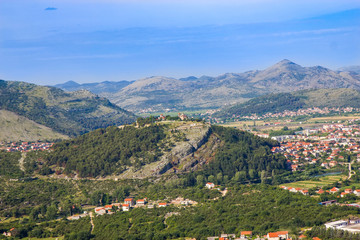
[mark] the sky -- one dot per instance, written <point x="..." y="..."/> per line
<point x="53" y="41"/>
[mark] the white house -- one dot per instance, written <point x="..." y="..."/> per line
<point x="210" y="185"/>
<point x="100" y="211"/>
<point x="125" y="207"/>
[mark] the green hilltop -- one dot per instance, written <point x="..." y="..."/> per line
<point x="162" y="148"/>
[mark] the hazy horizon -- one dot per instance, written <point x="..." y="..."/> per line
<point x="51" y="42"/>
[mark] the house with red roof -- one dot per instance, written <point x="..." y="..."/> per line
<point x="357" y="192"/>
<point x="334" y="190"/>
<point x="140" y="202"/>
<point x="348" y="190"/>
<point x="246" y="234"/>
<point x="278" y="235"/>
<point x="320" y="191"/>
<point x="343" y="194"/>
<point x="304" y="192"/>
<point x="100" y="211"/>
<point x="108" y="207"/>
<point x="126" y="207"/>
<point x="129" y="201"/>
<point x="163" y="204"/>
<point x="210" y="185"/>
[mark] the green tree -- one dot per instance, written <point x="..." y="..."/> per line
<point x="51" y="212"/>
<point x="263" y="177"/>
<point x="200" y="180"/>
<point x="219" y="178"/>
<point x="211" y="178"/>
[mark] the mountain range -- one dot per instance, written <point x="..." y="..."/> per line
<point x="102" y="87"/>
<point x="159" y="93"/>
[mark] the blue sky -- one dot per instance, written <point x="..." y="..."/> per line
<point x="54" y="41"/>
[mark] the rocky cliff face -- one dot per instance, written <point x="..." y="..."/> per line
<point x="186" y="155"/>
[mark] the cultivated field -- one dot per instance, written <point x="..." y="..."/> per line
<point x="323" y="181"/>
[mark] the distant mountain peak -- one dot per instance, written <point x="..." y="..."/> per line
<point x="286" y="62"/>
<point x="71" y="83"/>
<point x="284" y="65"/>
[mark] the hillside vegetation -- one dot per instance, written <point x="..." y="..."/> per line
<point x="342" y="97"/>
<point x="139" y="152"/>
<point x="15" y="128"/>
<point x="107" y="151"/>
<point x="67" y="113"/>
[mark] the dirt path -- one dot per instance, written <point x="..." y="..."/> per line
<point x="223" y="193"/>
<point x="21" y="161"/>
<point x="91" y="221"/>
<point x="351" y="172"/>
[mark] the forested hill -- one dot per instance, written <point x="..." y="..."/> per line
<point x="244" y="156"/>
<point x="180" y="147"/>
<point x="273" y="103"/>
<point x="107" y="151"/>
<point x="68" y="113"/>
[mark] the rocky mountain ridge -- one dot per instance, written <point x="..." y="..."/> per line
<point x="169" y="94"/>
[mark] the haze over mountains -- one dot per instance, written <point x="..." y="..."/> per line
<point x="160" y="93"/>
<point x="102" y="87"/>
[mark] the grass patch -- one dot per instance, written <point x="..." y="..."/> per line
<point x="323" y="181"/>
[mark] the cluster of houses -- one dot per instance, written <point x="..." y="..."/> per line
<point x="182" y="117"/>
<point x="300" y="112"/>
<point x="131" y="203"/>
<point x="296" y="190"/>
<point x="26" y="146"/>
<point x="280" y="235"/>
<point x="333" y="190"/>
<point x="249" y="235"/>
<point x="126" y="206"/>
<point x="325" y="143"/>
<point x="351" y="225"/>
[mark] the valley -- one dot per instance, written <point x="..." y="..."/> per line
<point x="187" y="156"/>
<point x="178" y="165"/>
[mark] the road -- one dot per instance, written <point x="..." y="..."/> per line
<point x="351" y="172"/>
